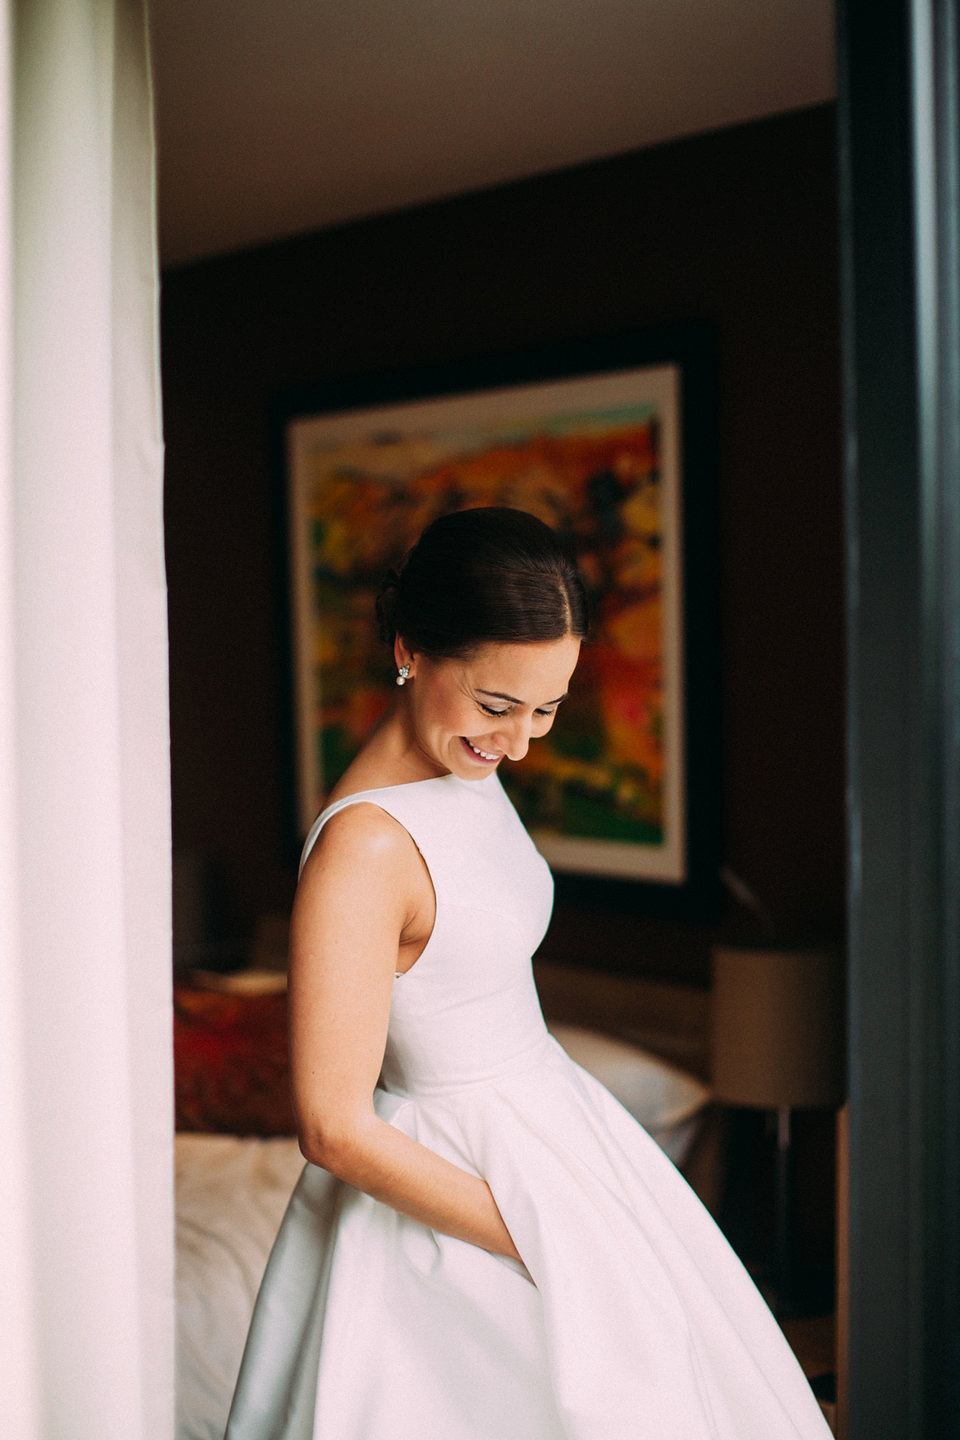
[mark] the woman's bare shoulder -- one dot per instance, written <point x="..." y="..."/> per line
<point x="364" y="864"/>
<point x="361" y="832"/>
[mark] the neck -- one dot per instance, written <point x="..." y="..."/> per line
<point x="392" y="743"/>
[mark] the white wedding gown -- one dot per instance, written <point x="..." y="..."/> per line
<point x="631" y="1318"/>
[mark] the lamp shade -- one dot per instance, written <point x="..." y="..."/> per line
<point x="777" y="1032"/>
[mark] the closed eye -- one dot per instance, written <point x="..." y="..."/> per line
<point x="489" y="710"/>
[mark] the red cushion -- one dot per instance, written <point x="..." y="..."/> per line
<point x="230" y="1063"/>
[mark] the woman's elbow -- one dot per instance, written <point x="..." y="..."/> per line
<point x="334" y="1144"/>
<point x="312" y="1146"/>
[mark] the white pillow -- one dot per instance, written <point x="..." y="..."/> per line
<point x="665" y="1099"/>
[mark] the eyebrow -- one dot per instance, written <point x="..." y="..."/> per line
<point x="498" y="695"/>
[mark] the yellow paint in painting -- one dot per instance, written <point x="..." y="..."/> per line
<point x="641" y="512"/>
<point x="638" y="565"/>
<point x="637" y="630"/>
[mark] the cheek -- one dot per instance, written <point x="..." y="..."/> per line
<point x="448" y="712"/>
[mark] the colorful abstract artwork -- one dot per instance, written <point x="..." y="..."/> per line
<point x="597" y="457"/>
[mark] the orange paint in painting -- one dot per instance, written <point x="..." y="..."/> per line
<point x="545" y="465"/>
<point x="364" y="708"/>
<point x="637" y="632"/>
<point x="631" y="700"/>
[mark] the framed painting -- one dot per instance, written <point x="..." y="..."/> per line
<point x="608" y="443"/>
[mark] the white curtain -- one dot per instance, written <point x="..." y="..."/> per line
<point x="85" y="1070"/>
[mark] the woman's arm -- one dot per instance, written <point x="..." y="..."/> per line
<point x="363" y="894"/>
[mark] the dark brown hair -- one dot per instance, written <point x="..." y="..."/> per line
<point x="480" y="576"/>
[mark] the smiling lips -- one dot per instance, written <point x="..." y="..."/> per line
<point x="483" y="754"/>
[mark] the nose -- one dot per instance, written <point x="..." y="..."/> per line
<point x="513" y="737"/>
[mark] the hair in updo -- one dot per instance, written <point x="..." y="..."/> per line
<point x="480" y="576"/>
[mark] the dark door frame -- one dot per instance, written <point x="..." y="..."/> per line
<point x="899" y="72"/>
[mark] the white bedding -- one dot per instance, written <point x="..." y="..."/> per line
<point x="230" y="1197"/>
<point x="231" y="1194"/>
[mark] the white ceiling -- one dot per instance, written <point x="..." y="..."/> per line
<point x="280" y="116"/>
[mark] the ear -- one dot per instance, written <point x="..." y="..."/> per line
<point x="402" y="654"/>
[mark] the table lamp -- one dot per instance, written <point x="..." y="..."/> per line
<point x="777" y="1043"/>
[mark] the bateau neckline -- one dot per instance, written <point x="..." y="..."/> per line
<point x="355" y="795"/>
<point x="409" y="785"/>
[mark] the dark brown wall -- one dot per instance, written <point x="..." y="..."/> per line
<point x="737" y="228"/>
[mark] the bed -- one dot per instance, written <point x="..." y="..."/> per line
<point x="237" y="1161"/>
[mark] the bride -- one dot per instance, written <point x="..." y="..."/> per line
<point x="483" y="1245"/>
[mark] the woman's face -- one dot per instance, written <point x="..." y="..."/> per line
<point x="468" y="715"/>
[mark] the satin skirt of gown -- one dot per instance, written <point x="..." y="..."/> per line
<point x="630" y="1317"/>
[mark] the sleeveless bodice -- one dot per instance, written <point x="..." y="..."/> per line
<point x="467" y="1011"/>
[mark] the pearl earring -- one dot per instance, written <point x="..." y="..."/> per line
<point x="402" y="674"/>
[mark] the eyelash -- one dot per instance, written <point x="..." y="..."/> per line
<point x="488" y="710"/>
